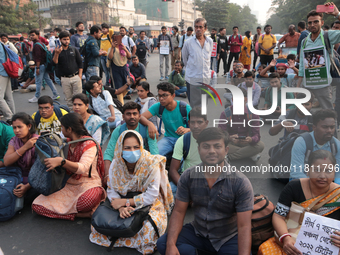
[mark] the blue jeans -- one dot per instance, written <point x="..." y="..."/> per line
<point x="24" y="61"/>
<point x="112" y="124"/>
<point x="43" y="75"/>
<point x="103" y="60"/>
<point x="181" y="90"/>
<point x="188" y="243"/>
<point x="91" y="71"/>
<point x="56" y="79"/>
<point x="173" y="188"/>
<point x="166" y="145"/>
<point x="213" y="64"/>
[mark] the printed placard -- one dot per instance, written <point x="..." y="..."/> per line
<point x="314" y="236"/>
<point x="316" y="70"/>
<point x="214" y="50"/>
<point x="164" y="48"/>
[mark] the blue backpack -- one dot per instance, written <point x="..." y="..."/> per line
<point x="142" y="131"/>
<point x="186" y="144"/>
<point x="10" y="177"/>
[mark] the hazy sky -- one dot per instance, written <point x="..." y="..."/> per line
<point x="262" y="6"/>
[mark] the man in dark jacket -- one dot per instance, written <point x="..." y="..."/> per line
<point x="93" y="52"/>
<point x="223" y="45"/>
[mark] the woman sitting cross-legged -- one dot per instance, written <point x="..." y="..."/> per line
<point x="305" y="191"/>
<point x="96" y="126"/>
<point x="134" y="169"/>
<point x="21" y="152"/>
<point x="81" y="194"/>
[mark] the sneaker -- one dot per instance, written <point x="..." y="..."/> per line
<point x="127" y="97"/>
<point x="162" y="78"/>
<point x="184" y="95"/>
<point x="17" y="89"/>
<point x="33" y="100"/>
<point x="225" y="75"/>
<point x="167" y="77"/>
<point x="256" y="157"/>
<point x="55" y="98"/>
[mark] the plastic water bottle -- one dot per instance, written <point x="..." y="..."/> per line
<point x="19" y="204"/>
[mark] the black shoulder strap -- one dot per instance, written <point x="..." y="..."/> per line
<point x="309" y="146"/>
<point x="327" y="43"/>
<point x="108" y="37"/>
<point x="102" y="96"/>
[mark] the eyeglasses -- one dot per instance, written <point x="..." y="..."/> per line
<point x="313" y="22"/>
<point x="164" y="95"/>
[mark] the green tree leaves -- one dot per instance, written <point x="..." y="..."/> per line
<point x="21" y="20"/>
<point x="221" y="13"/>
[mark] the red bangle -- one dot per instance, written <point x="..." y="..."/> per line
<point x="18" y="153"/>
<point x="283" y="236"/>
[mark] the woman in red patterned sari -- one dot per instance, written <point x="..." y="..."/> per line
<point x="81" y="194"/>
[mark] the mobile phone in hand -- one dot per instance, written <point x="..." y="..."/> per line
<point x="57" y="43"/>
<point x="324" y="8"/>
<point x="241" y="137"/>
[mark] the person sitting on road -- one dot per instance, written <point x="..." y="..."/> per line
<point x="303" y="123"/>
<point x="96" y="126"/>
<point x="235" y="78"/>
<point x="249" y="83"/>
<point x="175" y="123"/>
<point x="305" y="191"/>
<point x="131" y="116"/>
<point x="6" y="134"/>
<point x="49" y="116"/>
<point x="29" y="85"/>
<point x="244" y="140"/>
<point x="275" y="82"/>
<point x="324" y="123"/>
<point x="81" y="194"/>
<point x="186" y="147"/>
<point x="138" y="71"/>
<point x="177" y="78"/>
<point x="21" y="152"/>
<point x="103" y="104"/>
<point x="286" y="79"/>
<point x="146" y="99"/>
<point x="222" y="204"/>
<point x="263" y="82"/>
<point x="113" y="92"/>
<point x="135" y="169"/>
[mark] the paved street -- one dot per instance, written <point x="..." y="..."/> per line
<point x="28" y="233"/>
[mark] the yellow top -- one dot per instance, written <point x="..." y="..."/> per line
<point x="267" y="42"/>
<point x="52" y="124"/>
<point x="105" y="42"/>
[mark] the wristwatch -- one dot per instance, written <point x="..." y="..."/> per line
<point x="127" y="203"/>
<point x="63" y="162"/>
<point x="337" y="16"/>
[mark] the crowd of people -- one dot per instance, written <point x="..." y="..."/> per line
<point x="158" y="148"/>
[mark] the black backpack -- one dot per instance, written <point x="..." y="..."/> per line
<point x="280" y="154"/>
<point x="118" y="104"/>
<point x="141" y="50"/>
<point x="82" y="51"/>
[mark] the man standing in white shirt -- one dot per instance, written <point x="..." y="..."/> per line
<point x="128" y="43"/>
<point x="196" y="55"/>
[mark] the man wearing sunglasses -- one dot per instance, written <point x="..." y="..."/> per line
<point x="315" y="42"/>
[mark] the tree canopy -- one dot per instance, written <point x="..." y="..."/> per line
<point x="221" y="13"/>
<point x="286" y="12"/>
<point x="19" y="19"/>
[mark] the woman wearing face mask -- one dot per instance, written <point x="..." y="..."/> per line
<point x="146" y="99"/>
<point x="321" y="171"/>
<point x="21" y="152"/>
<point x="136" y="170"/>
<point x="82" y="193"/>
<point x="96" y="126"/>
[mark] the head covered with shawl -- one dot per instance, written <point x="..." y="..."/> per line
<point x="143" y="175"/>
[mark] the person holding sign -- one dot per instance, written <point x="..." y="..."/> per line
<point x="317" y="77"/>
<point x="321" y="170"/>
